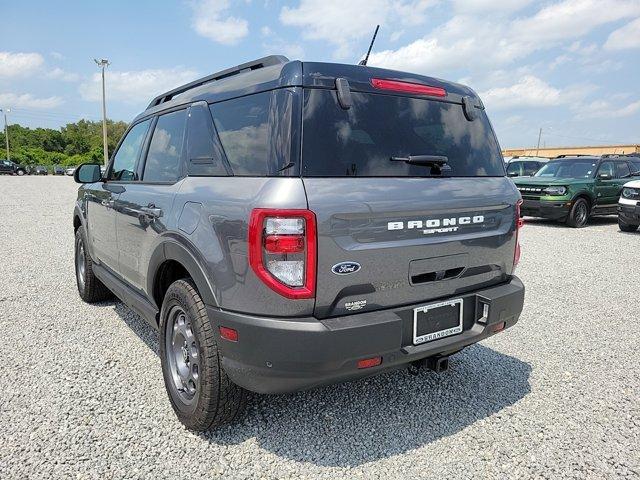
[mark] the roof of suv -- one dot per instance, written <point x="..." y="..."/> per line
<point x="277" y="71"/>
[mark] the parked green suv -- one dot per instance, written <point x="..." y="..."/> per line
<point x="572" y="189"/>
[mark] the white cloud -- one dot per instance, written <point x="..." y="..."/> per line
<point x="57" y="55"/>
<point x="607" y="109"/>
<point x="341" y="23"/>
<point x="494" y="6"/>
<point x="19" y="64"/>
<point x="625" y="37"/>
<point x="571" y="19"/>
<point x="211" y="21"/>
<point x="530" y="92"/>
<point x="27" y="100"/>
<point x="484" y="42"/>
<point x="136" y="87"/>
<point x="60" y="74"/>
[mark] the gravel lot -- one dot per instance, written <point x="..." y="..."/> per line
<point x="557" y="396"/>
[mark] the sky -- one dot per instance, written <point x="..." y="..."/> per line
<point x="570" y="67"/>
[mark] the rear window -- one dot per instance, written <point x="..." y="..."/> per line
<point x="360" y="141"/>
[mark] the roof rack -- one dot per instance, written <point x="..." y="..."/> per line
<point x="244" y="67"/>
<point x="617" y="155"/>
<point x="571" y="155"/>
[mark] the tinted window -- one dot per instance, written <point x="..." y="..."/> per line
<point x="622" y="170"/>
<point x="530" y="168"/>
<point x="635" y="166"/>
<point x="203" y="151"/>
<point x="124" y="163"/>
<point x="165" y="149"/>
<point x="568" y="168"/>
<point x="607" y="168"/>
<point x="514" y="168"/>
<point x="258" y="134"/>
<point x="360" y="141"/>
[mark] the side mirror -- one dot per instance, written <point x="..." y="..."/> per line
<point x="87" y="173"/>
<point x="604" y="176"/>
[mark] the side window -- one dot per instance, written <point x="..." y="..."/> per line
<point x="514" y="168"/>
<point x="622" y="170"/>
<point x="165" y="149"/>
<point x="124" y="162"/>
<point x="635" y="167"/>
<point x="204" y="154"/>
<point x="606" y="168"/>
<point x="259" y="133"/>
<point x="243" y="127"/>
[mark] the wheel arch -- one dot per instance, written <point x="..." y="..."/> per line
<point x="170" y="261"/>
<point x="588" y="196"/>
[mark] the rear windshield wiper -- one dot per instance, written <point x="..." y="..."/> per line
<point x="438" y="163"/>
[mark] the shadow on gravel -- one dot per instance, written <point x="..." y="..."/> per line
<point x="350" y="424"/>
<point x="595" y="221"/>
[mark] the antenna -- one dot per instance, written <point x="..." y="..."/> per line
<point x="366" y="58"/>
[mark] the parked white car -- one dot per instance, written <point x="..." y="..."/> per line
<point x="629" y="207"/>
<point x="70" y="171"/>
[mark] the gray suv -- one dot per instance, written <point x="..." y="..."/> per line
<point x="287" y="225"/>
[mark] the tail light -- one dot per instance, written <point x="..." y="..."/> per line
<point x="408" y="87"/>
<point x="282" y="250"/>
<point x="519" y="225"/>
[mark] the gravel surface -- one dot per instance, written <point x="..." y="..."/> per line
<point x="557" y="396"/>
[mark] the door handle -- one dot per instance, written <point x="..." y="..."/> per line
<point x="107" y="203"/>
<point x="152" y="211"/>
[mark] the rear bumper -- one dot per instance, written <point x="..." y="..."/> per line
<point x="629" y="213"/>
<point x="276" y="355"/>
<point x="555" y="210"/>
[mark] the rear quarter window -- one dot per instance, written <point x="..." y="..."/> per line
<point x="258" y="133"/>
<point x="360" y="141"/>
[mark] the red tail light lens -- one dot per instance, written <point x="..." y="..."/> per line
<point x="519" y="225"/>
<point x="282" y="250"/>
<point x="408" y="87"/>
<point x="284" y="243"/>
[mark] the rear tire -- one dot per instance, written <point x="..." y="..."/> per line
<point x="579" y="214"/>
<point x="200" y="392"/>
<point x="91" y="289"/>
<point x="20" y="173"/>
<point x="627" y="228"/>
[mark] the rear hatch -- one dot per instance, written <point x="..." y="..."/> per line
<point x="392" y="233"/>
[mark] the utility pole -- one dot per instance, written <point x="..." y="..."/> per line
<point x="103" y="63"/>
<point x="6" y="129"/>
<point x="539" y="137"/>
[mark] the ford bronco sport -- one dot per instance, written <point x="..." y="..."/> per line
<point x="287" y="225"/>
<point x="573" y="189"/>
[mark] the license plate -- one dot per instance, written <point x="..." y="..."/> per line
<point x="438" y="320"/>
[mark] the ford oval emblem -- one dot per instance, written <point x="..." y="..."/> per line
<point x="345" y="268"/>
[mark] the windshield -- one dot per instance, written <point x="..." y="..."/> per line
<point x="568" y="169"/>
<point x="360" y="141"/>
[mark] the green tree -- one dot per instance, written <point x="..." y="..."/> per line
<point x="73" y="144"/>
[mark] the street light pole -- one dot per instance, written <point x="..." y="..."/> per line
<point x="103" y="63"/>
<point x="6" y="129"/>
<point x="539" y="137"/>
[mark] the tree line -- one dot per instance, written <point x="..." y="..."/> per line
<point x="71" y="145"/>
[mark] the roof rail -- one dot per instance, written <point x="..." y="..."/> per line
<point x="571" y="155"/>
<point x="244" y="67"/>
